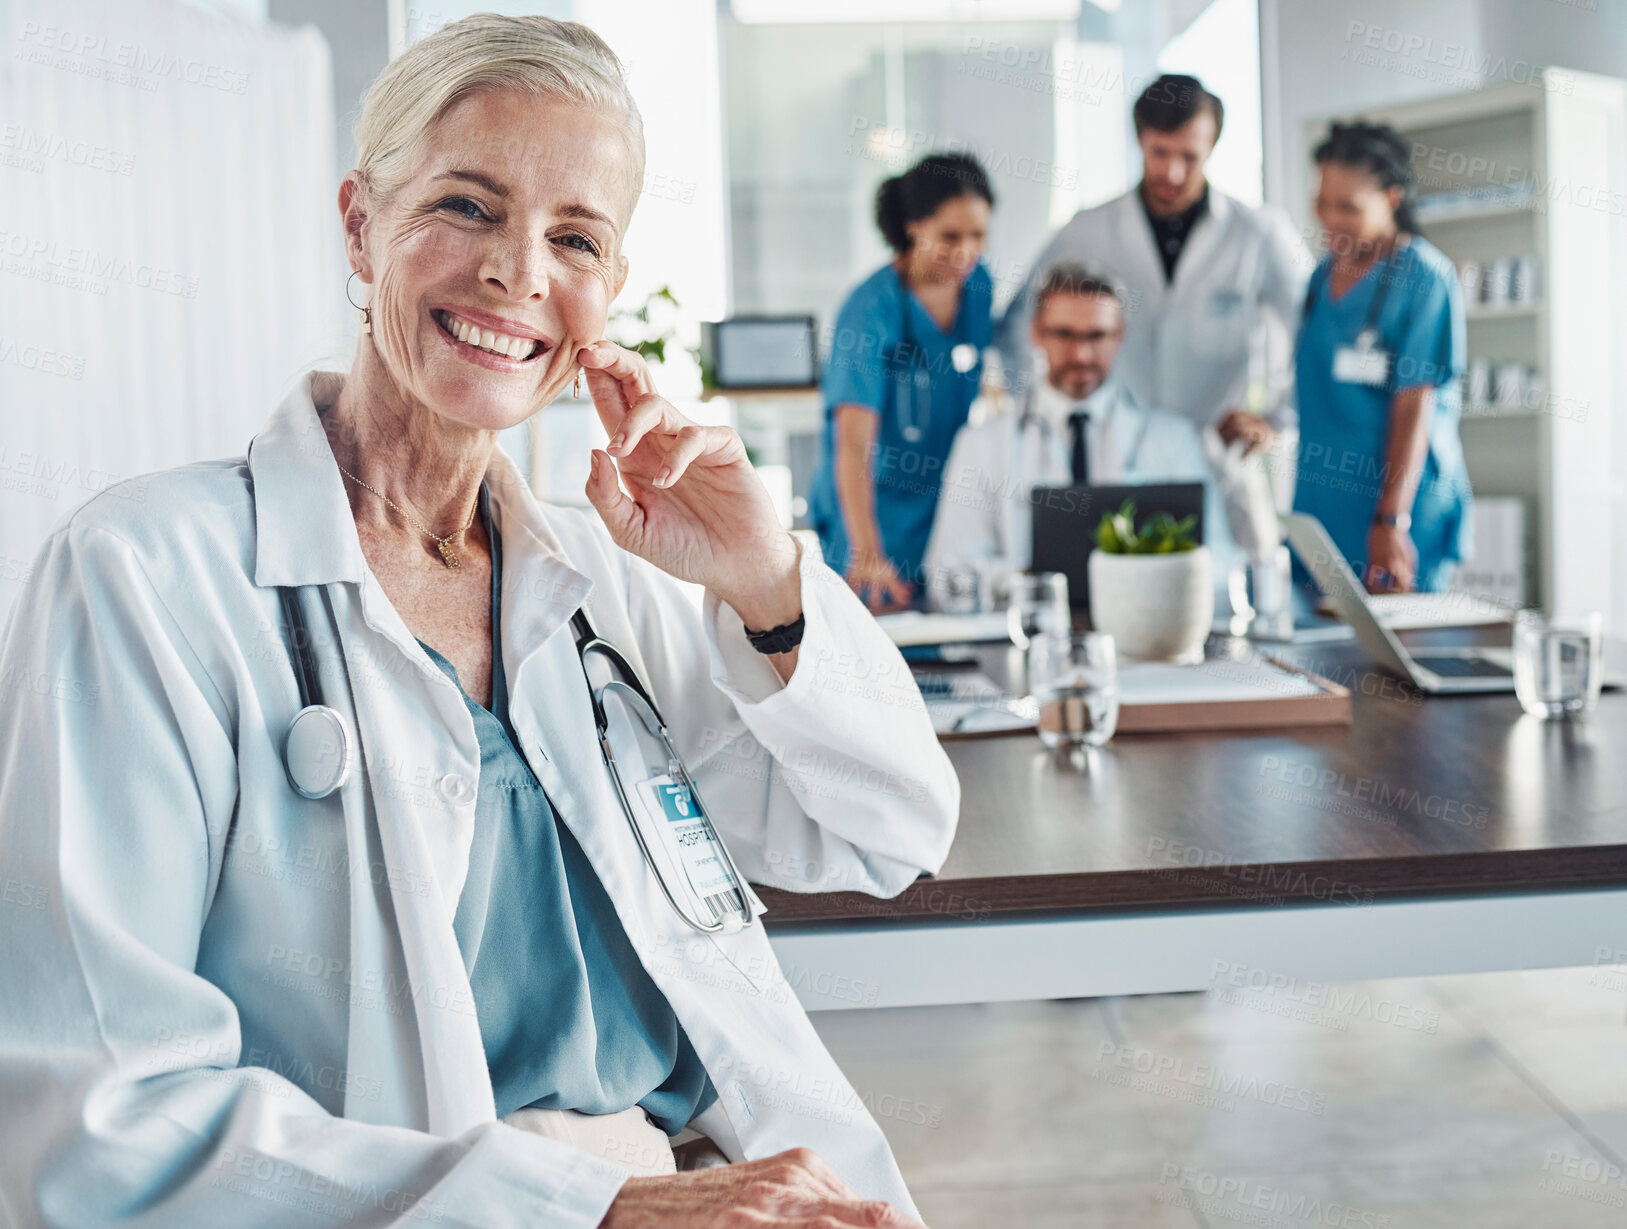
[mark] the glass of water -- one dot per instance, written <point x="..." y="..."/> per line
<point x="1039" y="604"/>
<point x="962" y="589"/>
<point x="1074" y="678"/>
<point x="1558" y="663"/>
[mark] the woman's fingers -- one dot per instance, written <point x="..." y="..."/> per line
<point x="649" y="413"/>
<point x="617" y="378"/>
<point x="620" y="512"/>
<point x="692" y="441"/>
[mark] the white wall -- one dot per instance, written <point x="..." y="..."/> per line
<point x="1314" y="62"/>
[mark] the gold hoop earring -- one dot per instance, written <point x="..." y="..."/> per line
<point x="367" y="312"/>
<point x="576" y="385"/>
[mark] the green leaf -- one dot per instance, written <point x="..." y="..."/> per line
<point x="1161" y="535"/>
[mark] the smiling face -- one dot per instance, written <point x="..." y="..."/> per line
<point x="946" y="246"/>
<point x="1357" y="212"/>
<point x="511" y="224"/>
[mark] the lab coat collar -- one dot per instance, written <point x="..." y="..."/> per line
<point x="1055" y="408"/>
<point x="305" y="533"/>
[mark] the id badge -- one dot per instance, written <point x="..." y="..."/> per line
<point x="689" y="836"/>
<point x="1361" y="365"/>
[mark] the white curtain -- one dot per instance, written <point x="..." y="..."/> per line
<point x="170" y="258"/>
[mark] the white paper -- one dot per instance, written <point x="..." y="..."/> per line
<point x="1214" y="682"/>
<point x="910" y="628"/>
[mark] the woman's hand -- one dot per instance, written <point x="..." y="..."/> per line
<point x="1392" y="560"/>
<point x="693" y="506"/>
<point x="792" y="1188"/>
<point x="876" y="581"/>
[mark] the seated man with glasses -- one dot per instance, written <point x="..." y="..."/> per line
<point x="1076" y="426"/>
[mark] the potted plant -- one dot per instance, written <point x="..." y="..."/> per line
<point x="1150" y="589"/>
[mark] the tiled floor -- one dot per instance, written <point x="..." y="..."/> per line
<point x="1492" y="1101"/>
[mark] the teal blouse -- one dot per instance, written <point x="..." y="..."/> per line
<point x="568" y="1015"/>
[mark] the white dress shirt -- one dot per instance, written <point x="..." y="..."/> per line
<point x="984" y="511"/>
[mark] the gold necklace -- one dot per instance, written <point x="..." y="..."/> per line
<point x="449" y="556"/>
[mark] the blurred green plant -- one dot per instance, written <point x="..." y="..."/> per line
<point x="1161" y="535"/>
<point x="649" y="327"/>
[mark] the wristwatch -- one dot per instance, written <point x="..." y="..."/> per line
<point x="1394" y="520"/>
<point x="781" y="639"/>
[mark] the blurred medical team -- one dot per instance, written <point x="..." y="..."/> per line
<point x="1171" y="304"/>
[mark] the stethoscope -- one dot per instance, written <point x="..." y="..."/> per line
<point x="318" y="755"/>
<point x="1368" y="336"/>
<point x="917" y="380"/>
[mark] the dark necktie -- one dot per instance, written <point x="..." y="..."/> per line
<point x="1079" y="420"/>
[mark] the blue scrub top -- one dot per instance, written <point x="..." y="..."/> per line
<point x="867" y="365"/>
<point x="1344" y="427"/>
<point x="569" y="1017"/>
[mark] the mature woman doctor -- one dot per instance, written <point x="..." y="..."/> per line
<point x="1380" y="354"/>
<point x="231" y="1005"/>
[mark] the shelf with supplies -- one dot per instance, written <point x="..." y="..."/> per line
<point x="1513" y="183"/>
<point x="1514" y="311"/>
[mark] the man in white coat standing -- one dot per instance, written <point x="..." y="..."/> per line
<point x="1201" y="272"/>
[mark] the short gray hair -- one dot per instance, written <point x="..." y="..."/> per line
<point x="1071" y="278"/>
<point x="557" y="59"/>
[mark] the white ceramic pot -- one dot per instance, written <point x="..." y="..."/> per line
<point x="1156" y="607"/>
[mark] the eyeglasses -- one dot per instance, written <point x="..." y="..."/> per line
<point x="1068" y="337"/>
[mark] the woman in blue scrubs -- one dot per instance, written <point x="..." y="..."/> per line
<point x="1380" y="355"/>
<point x="902" y="371"/>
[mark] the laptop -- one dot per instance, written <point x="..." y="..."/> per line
<point x="1439" y="671"/>
<point x="1065" y="520"/>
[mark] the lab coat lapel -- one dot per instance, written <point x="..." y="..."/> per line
<point x="1143" y="269"/>
<point x="412" y="787"/>
<point x="1197" y="262"/>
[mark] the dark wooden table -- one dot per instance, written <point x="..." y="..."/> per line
<point x="1420" y="797"/>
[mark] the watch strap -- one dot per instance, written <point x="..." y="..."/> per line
<point x="781" y="639"/>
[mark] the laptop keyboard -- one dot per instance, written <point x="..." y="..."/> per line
<point x="1463" y="667"/>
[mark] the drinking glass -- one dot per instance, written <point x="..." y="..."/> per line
<point x="1074" y="678"/>
<point x="1039" y="603"/>
<point x="1558" y="663"/>
<point x="963" y="587"/>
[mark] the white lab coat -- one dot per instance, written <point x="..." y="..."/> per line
<point x="984" y="509"/>
<point x="225" y="1005"/>
<point x="1193" y="345"/>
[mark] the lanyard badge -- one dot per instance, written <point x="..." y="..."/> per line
<point x="663" y="806"/>
<point x="1362" y="363"/>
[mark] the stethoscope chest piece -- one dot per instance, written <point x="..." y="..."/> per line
<point x="317" y="751"/>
